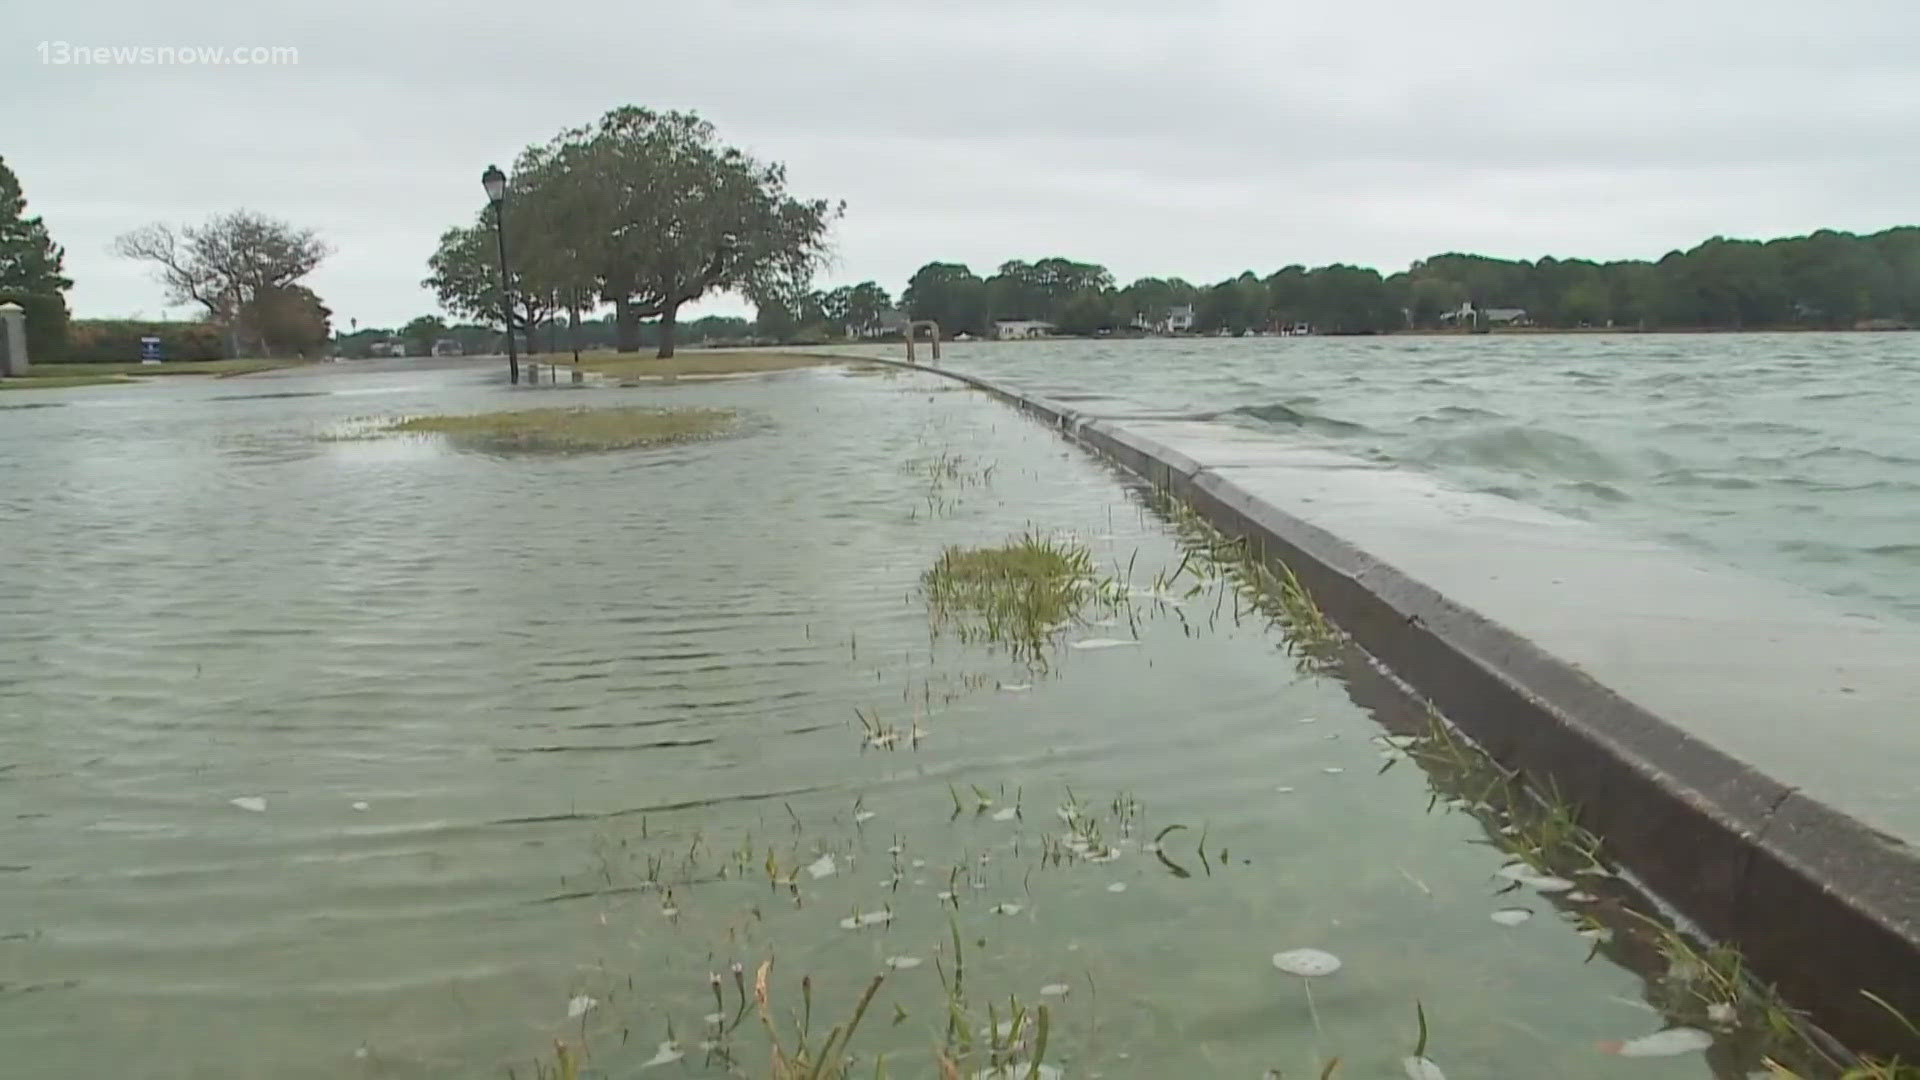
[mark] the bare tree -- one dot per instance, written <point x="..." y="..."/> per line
<point x="227" y="264"/>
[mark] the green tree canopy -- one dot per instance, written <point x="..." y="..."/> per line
<point x="31" y="270"/>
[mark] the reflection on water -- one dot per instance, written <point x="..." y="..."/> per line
<point x="331" y="758"/>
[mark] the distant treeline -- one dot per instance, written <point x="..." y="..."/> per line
<point x="1829" y="280"/>
<point x="552" y="336"/>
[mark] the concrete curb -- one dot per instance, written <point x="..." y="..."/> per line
<point x="1822" y="904"/>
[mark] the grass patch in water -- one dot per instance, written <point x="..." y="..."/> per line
<point x="572" y="430"/>
<point x="57" y="382"/>
<point x="1017" y="594"/>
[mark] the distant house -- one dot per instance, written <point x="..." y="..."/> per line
<point x="1493" y="316"/>
<point x="891" y="321"/>
<point x="448" y="347"/>
<point x="1177" y="320"/>
<point x="1021" y="329"/>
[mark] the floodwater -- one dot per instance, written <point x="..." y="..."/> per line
<point x="1796" y="456"/>
<point x="372" y="757"/>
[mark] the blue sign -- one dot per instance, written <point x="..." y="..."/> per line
<point x="150" y="350"/>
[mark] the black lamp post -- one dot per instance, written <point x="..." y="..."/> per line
<point x="495" y="182"/>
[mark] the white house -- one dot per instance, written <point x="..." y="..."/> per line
<point x="1180" y="319"/>
<point x="1021" y="329"/>
<point x="1494" y="316"/>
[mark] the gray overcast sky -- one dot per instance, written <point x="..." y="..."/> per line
<point x="1197" y="139"/>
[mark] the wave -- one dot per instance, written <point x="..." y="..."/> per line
<point x="1450" y="414"/>
<point x="1531" y="450"/>
<point x="1299" y="418"/>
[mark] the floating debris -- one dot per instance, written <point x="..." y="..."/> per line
<point x="1721" y="1013"/>
<point x="1578" y="897"/>
<point x="360" y="806"/>
<point x="1007" y="909"/>
<point x="716" y="1019"/>
<point x="1016" y="688"/>
<point x="1284" y="790"/>
<point x="861" y="817"/>
<point x="580" y="1006"/>
<point x="1668" y="1043"/>
<point x="1512" y="916"/>
<point x="1055" y="990"/>
<point x="1526" y="875"/>
<point x="1419" y="1068"/>
<point x="1309" y="719"/>
<point x="1307" y="963"/>
<point x="1117" y="887"/>
<point x="1401" y="742"/>
<point x="822" y="867"/>
<point x="668" y="1053"/>
<point x="903" y="963"/>
<point x="1019" y="1071"/>
<point x="1102" y="643"/>
<point x="1007" y="814"/>
<point x="250" y="802"/>
<point x="1333" y="770"/>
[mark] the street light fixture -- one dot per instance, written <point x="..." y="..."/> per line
<point x="495" y="183"/>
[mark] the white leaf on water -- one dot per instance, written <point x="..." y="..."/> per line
<point x="1601" y="934"/>
<point x="1307" y="963"/>
<point x="668" y="1053"/>
<point x="864" y="816"/>
<point x="360" y="806"/>
<point x="1284" y="790"/>
<point x="1118" y="886"/>
<point x="1533" y="879"/>
<point x="943" y="897"/>
<point x="1008" y="814"/>
<point x="1668" y="1043"/>
<point x="1309" y="719"/>
<point x="580" y="1006"/>
<point x="822" y="867"/>
<point x="669" y="912"/>
<point x="1102" y="643"/>
<point x="1511" y="916"/>
<point x="1006" y="909"/>
<point x="715" y="1018"/>
<point x="1721" y="1013"/>
<point x="903" y="963"/>
<point x="1401" y="742"/>
<point x="1419" y="1068"/>
<point x="1055" y="990"/>
<point x="250" y="802"/>
<point x="896" y="849"/>
<point x="361" y="1053"/>
<point x="1333" y="770"/>
<point x="918" y="864"/>
<point x="1016" y="688"/>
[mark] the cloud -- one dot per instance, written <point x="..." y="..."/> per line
<point x="1198" y="139"/>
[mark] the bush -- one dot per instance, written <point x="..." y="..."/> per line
<point x="117" y="341"/>
<point x="46" y="322"/>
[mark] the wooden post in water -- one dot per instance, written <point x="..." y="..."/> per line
<point x="933" y="335"/>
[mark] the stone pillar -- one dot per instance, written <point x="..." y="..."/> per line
<point x="13" y="339"/>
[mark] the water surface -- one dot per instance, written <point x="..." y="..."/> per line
<point x="371" y="757"/>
